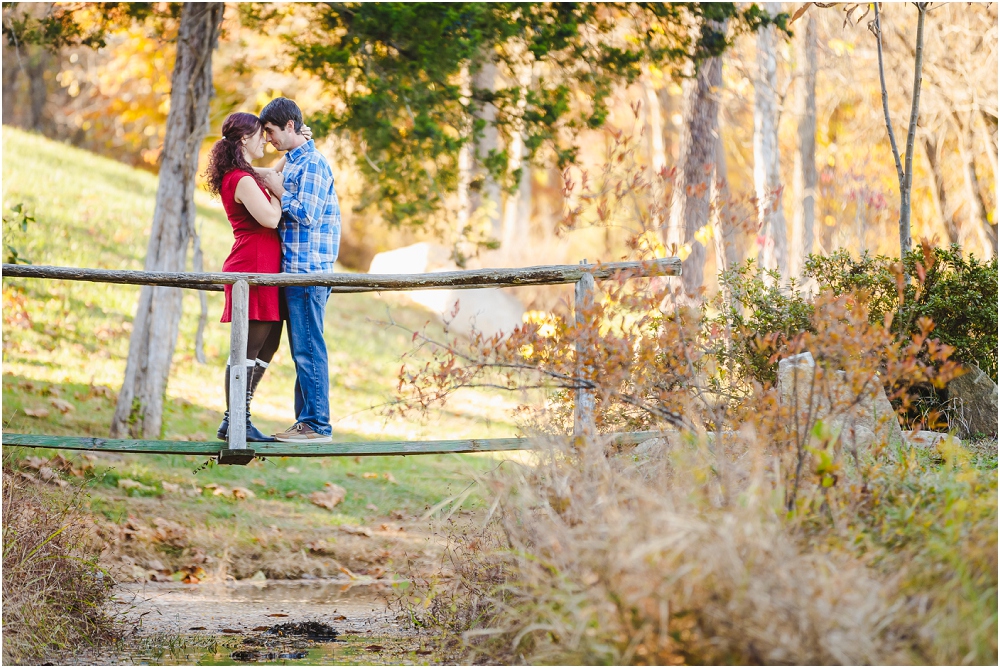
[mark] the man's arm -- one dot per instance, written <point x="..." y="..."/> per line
<point x="305" y="208"/>
<point x="278" y="167"/>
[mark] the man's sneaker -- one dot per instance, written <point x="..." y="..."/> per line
<point x="302" y="433"/>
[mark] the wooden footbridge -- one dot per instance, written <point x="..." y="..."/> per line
<point x="236" y="450"/>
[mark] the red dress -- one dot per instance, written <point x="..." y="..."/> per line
<point x="256" y="250"/>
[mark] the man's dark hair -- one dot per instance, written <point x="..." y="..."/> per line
<point x="279" y="111"/>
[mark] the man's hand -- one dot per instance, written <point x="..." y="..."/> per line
<point x="275" y="183"/>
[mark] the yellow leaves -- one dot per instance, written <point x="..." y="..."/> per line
<point x="650" y="242"/>
<point x="704" y="234"/>
<point x="546" y="322"/>
<point x="840" y="47"/>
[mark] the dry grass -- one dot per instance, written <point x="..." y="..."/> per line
<point x="54" y="592"/>
<point x="772" y="539"/>
<point x="597" y="560"/>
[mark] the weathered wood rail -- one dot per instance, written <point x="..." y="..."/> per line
<point x="237" y="452"/>
<point x="345" y="449"/>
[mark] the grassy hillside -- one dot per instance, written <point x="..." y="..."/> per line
<point x="92" y="212"/>
<point x="64" y="350"/>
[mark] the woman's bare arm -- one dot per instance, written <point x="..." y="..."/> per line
<point x="265" y="210"/>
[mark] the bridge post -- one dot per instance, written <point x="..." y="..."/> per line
<point x="236" y="451"/>
<point x="583" y="412"/>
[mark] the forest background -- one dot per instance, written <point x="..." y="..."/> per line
<point x="115" y="101"/>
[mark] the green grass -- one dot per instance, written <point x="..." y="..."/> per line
<point x="65" y="344"/>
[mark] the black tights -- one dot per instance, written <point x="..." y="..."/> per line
<point x="263" y="339"/>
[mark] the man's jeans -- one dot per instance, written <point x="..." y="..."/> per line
<point x="306" y="308"/>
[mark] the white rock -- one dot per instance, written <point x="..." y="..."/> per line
<point x="872" y="419"/>
<point x="486" y="310"/>
<point x="415" y="259"/>
<point x="925" y="440"/>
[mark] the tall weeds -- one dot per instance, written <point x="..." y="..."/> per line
<point x="55" y="594"/>
<point x="752" y="531"/>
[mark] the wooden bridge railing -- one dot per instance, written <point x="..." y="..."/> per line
<point x="237" y="451"/>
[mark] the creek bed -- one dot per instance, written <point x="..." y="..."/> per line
<point x="242" y="623"/>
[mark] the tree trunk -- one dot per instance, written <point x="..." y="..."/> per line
<point x="517" y="205"/>
<point x="978" y="211"/>
<point x="486" y="200"/>
<point x="728" y="236"/>
<point x="804" y="179"/>
<point x="139" y="412"/>
<point x="654" y="124"/>
<point x="38" y="89"/>
<point x="766" y="163"/>
<point x="939" y="194"/>
<point x="11" y="72"/>
<point x="690" y="205"/>
<point x="658" y="206"/>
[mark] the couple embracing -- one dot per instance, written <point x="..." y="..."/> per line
<point x="285" y="219"/>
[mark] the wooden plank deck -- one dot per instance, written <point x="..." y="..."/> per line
<point x="344" y="449"/>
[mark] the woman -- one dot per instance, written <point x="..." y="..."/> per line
<point x="254" y="215"/>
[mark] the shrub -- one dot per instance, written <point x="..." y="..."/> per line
<point x="958" y="294"/>
<point x="759" y="319"/>
<point x="54" y="592"/>
<point x="763" y="320"/>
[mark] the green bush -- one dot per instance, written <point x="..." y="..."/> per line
<point x="958" y="294"/>
<point x="759" y="318"/>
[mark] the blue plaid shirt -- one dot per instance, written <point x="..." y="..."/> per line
<point x="310" y="224"/>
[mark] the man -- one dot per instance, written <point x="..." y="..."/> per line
<point x="310" y="241"/>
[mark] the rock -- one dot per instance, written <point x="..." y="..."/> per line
<point x="414" y="259"/>
<point x="486" y="310"/>
<point x="656" y="448"/>
<point x="974" y="395"/>
<point x="872" y="419"/>
<point x="925" y="440"/>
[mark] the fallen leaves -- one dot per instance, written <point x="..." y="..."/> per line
<point x="36" y="412"/>
<point x="128" y="483"/>
<point x="47" y="469"/>
<point x="238" y="493"/>
<point x="62" y="405"/>
<point x="163" y="531"/>
<point x="190" y="575"/>
<point x="356" y="530"/>
<point x="330" y="497"/>
<point x="375" y="476"/>
<point x="320" y="547"/>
